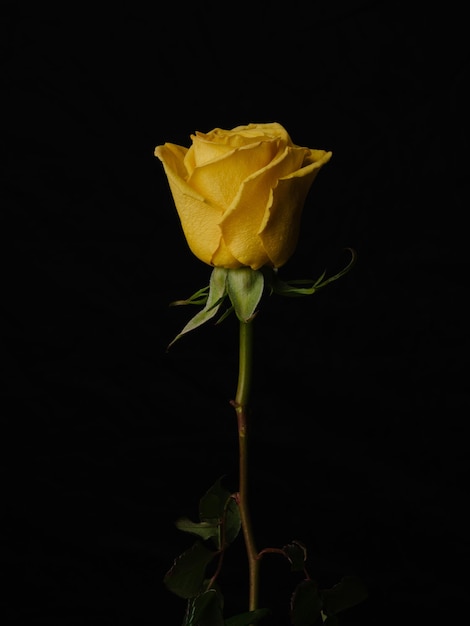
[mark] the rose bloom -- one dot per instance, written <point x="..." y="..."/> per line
<point x="240" y="193"/>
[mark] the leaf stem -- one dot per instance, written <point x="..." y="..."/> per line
<point x="240" y="405"/>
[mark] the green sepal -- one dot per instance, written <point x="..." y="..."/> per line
<point x="200" y="297"/>
<point x="245" y="288"/>
<point x="297" y="288"/>
<point x="224" y="315"/>
<point x="215" y="296"/>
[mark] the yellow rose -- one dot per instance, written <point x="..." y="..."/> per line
<point x="240" y="193"/>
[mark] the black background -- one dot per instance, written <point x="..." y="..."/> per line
<point x="360" y="397"/>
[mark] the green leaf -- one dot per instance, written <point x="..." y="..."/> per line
<point x="347" y="593"/>
<point x="213" y="502"/>
<point x="306" y="604"/>
<point x="205" y="529"/>
<point x="217" y="505"/>
<point x="245" y="288"/>
<point x="297" y="554"/>
<point x="245" y="619"/>
<point x="186" y="576"/>
<point x="217" y="293"/>
<point x="233" y="521"/>
<point x="204" y="610"/>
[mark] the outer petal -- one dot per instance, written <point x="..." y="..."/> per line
<point x="244" y="220"/>
<point x="199" y="219"/>
<point x="280" y="229"/>
<point x="224" y="258"/>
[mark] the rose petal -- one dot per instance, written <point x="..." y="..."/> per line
<point x="199" y="219"/>
<point x="220" y="180"/>
<point x="204" y="151"/>
<point x="244" y="220"/>
<point x="273" y="130"/>
<point x="173" y="155"/>
<point x="280" y="229"/>
<point x="224" y="258"/>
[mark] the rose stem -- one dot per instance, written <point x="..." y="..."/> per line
<point x="240" y="404"/>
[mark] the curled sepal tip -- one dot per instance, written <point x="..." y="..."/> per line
<point x="200" y="297"/>
<point x="305" y="287"/>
